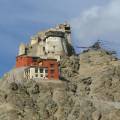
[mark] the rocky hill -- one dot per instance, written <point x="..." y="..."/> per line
<point x="89" y="90"/>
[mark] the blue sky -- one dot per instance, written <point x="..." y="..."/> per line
<point x="90" y="20"/>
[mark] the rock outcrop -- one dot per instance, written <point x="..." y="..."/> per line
<point x="88" y="90"/>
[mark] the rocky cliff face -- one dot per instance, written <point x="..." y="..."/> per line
<point x="89" y="90"/>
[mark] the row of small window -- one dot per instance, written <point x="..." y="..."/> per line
<point x="40" y="70"/>
<point x="41" y="76"/>
<point x="46" y="71"/>
<point x="52" y="76"/>
<point x="52" y="71"/>
<point x="36" y="75"/>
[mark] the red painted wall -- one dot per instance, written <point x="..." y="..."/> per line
<point x="22" y="61"/>
<point x="53" y="69"/>
<point x="52" y="65"/>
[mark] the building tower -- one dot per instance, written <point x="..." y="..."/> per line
<point x="34" y="40"/>
<point x="55" y="43"/>
<point x="67" y="30"/>
<point x="22" y="49"/>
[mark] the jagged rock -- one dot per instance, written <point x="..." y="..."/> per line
<point x="13" y="86"/>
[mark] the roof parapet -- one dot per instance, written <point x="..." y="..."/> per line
<point x="55" y="34"/>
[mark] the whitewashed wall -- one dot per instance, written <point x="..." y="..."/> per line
<point x="54" y="44"/>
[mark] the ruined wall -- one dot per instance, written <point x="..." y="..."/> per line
<point x="55" y="45"/>
<point x="52" y="43"/>
<point x="22" y="49"/>
<point x="34" y="40"/>
<point x="36" y="50"/>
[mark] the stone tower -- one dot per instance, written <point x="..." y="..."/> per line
<point x="34" y="40"/>
<point x="55" y="44"/>
<point x="22" y="49"/>
<point x="67" y="30"/>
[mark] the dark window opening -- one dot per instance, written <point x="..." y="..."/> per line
<point x="41" y="75"/>
<point x="43" y="48"/>
<point x="67" y="28"/>
<point x="52" y="65"/>
<point x="36" y="70"/>
<point x="26" y="51"/>
<point x="36" y="75"/>
<point x="46" y="71"/>
<point x="35" y="59"/>
<point x="41" y="70"/>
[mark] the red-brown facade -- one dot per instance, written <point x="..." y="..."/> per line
<point x="51" y="64"/>
<point x="53" y="68"/>
<point x="23" y="61"/>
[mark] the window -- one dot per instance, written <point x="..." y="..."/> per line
<point x="46" y="70"/>
<point x="67" y="28"/>
<point x="52" y="71"/>
<point x="52" y="65"/>
<point x="36" y="70"/>
<point x="41" y="70"/>
<point x="41" y="75"/>
<point x="43" y="48"/>
<point x="36" y="75"/>
<point x="35" y="59"/>
<point x="26" y="50"/>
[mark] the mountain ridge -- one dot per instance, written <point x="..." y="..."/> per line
<point x="88" y="90"/>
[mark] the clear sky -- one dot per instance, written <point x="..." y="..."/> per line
<point x="90" y="20"/>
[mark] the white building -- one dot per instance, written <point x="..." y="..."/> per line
<point x="33" y="72"/>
